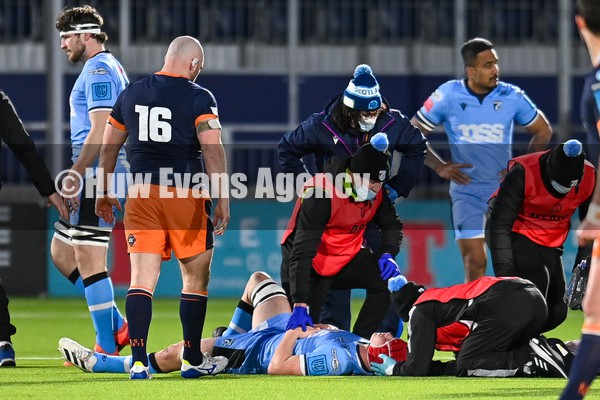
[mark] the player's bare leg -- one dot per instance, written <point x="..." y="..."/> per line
<point x="473" y="252"/>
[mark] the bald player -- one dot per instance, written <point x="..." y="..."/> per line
<point x="173" y="129"/>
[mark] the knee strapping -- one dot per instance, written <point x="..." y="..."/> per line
<point x="264" y="291"/>
<point x="61" y="232"/>
<point x="85" y="235"/>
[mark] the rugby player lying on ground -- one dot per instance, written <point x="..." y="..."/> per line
<point x="256" y="342"/>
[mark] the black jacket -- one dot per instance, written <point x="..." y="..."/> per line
<point x="312" y="219"/>
<point x="504" y="209"/>
<point x="319" y="136"/>
<point x="13" y="133"/>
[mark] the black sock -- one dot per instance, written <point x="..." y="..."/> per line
<point x="192" y="311"/>
<point x="138" y="307"/>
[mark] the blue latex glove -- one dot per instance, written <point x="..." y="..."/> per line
<point x="388" y="266"/>
<point x="385" y="368"/>
<point x="299" y="318"/>
<point x="392" y="194"/>
<point x="400" y="328"/>
<point x="396" y="283"/>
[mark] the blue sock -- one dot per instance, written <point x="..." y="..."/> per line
<point x="585" y="367"/>
<point x="100" y="300"/>
<point x="138" y="307"/>
<point x="192" y="312"/>
<point x="79" y="285"/>
<point x="118" y="319"/>
<point x="117" y="364"/>
<point x="241" y="321"/>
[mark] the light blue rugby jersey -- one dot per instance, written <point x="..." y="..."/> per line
<point x="97" y="88"/>
<point x="327" y="352"/>
<point x="479" y="133"/>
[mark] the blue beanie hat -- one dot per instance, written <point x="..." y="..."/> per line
<point x="362" y="92"/>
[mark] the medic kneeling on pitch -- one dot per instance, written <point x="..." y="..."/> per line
<point x="492" y="324"/>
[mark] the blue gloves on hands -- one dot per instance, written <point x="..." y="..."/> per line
<point x="299" y="318"/>
<point x="385" y="368"/>
<point x="388" y="266"/>
<point x="400" y="328"/>
<point x="392" y="194"/>
<point x="396" y="283"/>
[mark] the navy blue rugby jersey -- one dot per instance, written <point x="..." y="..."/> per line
<point x="160" y="113"/>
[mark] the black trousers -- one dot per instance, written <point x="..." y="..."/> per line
<point x="362" y="272"/>
<point x="507" y="316"/>
<point x="6" y="328"/>
<point x="336" y="310"/>
<point x="543" y="266"/>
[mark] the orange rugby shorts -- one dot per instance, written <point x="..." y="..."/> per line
<point x="164" y="219"/>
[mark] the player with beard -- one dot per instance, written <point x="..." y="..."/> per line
<point x="80" y="244"/>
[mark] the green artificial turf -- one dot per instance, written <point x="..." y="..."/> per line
<point x="40" y="372"/>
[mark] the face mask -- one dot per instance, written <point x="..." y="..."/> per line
<point x="367" y="123"/>
<point x="363" y="193"/>
<point x="560" y="188"/>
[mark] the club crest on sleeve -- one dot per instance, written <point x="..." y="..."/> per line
<point x="101" y="91"/>
<point x="317" y="365"/>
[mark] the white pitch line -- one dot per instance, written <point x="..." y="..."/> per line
<point x="79" y="315"/>
<point x="37" y="315"/>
